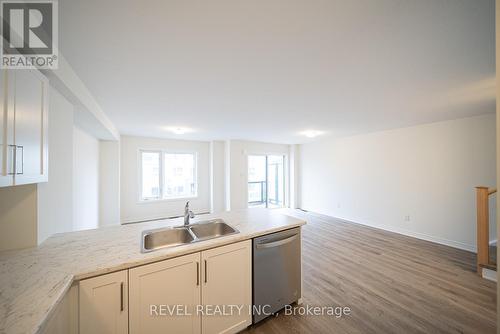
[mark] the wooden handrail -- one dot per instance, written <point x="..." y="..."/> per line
<point x="483" y="226"/>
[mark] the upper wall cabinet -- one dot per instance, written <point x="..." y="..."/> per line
<point x="23" y="127"/>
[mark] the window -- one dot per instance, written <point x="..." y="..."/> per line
<point x="180" y="175"/>
<point x="150" y="175"/>
<point x="167" y="175"/>
<point x="266" y="181"/>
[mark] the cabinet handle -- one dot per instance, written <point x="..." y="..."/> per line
<point x="12" y="170"/>
<point x="206" y="271"/>
<point x="21" y="148"/>
<point x="197" y="273"/>
<point x="276" y="243"/>
<point x="121" y="296"/>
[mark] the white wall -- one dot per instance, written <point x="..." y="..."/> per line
<point x="109" y="183"/>
<point x="218" y="180"/>
<point x="55" y="201"/>
<point x="132" y="210"/>
<point x="18" y="217"/>
<point x="426" y="172"/>
<point x="227" y="175"/>
<point x="294" y="176"/>
<point x="239" y="167"/>
<point x="85" y="180"/>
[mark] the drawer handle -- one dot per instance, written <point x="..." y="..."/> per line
<point x="20" y="148"/>
<point x="121" y="297"/>
<point x="206" y="279"/>
<point x="197" y="273"/>
<point x="277" y="243"/>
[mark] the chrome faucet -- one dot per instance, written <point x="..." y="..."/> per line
<point x="187" y="214"/>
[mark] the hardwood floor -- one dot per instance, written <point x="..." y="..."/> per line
<point x="392" y="284"/>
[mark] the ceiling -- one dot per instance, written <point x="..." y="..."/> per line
<point x="267" y="70"/>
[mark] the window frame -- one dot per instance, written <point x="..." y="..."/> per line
<point x="162" y="152"/>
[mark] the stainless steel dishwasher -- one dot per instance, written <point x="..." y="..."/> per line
<point x="276" y="272"/>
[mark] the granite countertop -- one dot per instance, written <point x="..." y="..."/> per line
<point x="33" y="281"/>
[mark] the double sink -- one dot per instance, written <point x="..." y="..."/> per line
<point x="185" y="235"/>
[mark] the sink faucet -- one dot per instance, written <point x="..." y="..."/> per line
<point x="187" y="214"/>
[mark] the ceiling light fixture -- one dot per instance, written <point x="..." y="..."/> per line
<point x="311" y="133"/>
<point x="179" y="130"/>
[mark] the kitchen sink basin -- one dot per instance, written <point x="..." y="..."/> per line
<point x="211" y="229"/>
<point x="168" y="237"/>
<point x="184" y="235"/>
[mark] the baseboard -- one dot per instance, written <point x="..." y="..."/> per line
<point x="489" y="274"/>
<point x="493" y="242"/>
<point x="418" y="235"/>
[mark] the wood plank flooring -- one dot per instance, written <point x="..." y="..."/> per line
<point x="392" y="284"/>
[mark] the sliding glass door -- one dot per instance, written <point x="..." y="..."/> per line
<point x="275" y="181"/>
<point x="266" y="181"/>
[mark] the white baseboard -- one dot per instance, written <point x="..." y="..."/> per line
<point x="418" y="235"/>
<point x="490" y="275"/>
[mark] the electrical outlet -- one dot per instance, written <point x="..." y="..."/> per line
<point x="407" y="218"/>
<point x="338" y="205"/>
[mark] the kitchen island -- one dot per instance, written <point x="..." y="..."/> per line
<point x="33" y="282"/>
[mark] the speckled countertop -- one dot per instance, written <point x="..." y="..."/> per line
<point x="33" y="281"/>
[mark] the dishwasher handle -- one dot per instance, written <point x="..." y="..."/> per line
<point x="276" y="243"/>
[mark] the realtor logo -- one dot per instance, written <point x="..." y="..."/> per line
<point x="29" y="34"/>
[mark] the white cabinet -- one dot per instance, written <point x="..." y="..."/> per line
<point x="31" y="125"/>
<point x="104" y="304"/>
<point x="64" y="319"/>
<point x="179" y="295"/>
<point x="227" y="282"/>
<point x="7" y="146"/>
<point x="23" y="127"/>
<point x="162" y="295"/>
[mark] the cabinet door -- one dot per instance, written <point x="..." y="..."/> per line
<point x="164" y="296"/>
<point x="31" y="113"/>
<point x="64" y="319"/>
<point x="6" y="130"/>
<point x="104" y="304"/>
<point x="227" y="281"/>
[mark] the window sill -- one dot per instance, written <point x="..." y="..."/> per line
<point x="177" y="199"/>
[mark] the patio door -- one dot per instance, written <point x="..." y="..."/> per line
<point x="266" y="181"/>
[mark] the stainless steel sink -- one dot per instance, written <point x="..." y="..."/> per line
<point x="184" y="235"/>
<point x="168" y="237"/>
<point x="212" y="229"/>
